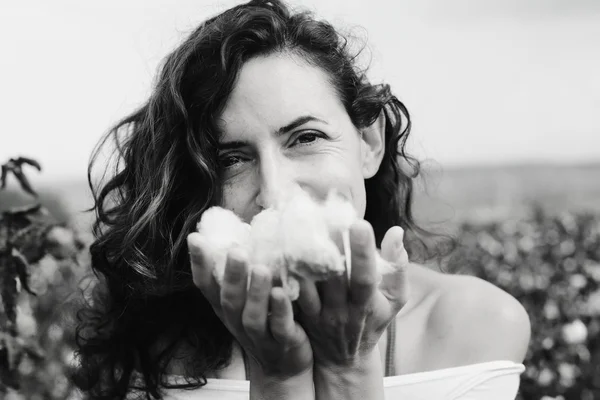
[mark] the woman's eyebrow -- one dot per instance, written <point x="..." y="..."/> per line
<point x="236" y="144"/>
<point x="298" y="122"/>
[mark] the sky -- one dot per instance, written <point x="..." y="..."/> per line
<point x="485" y="81"/>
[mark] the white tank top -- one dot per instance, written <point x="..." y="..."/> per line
<point x="495" y="380"/>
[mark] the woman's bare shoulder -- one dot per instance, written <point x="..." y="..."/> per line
<point x="471" y="319"/>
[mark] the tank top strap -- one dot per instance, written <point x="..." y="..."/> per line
<point x="390" y="349"/>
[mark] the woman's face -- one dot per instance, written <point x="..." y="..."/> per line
<point x="285" y="128"/>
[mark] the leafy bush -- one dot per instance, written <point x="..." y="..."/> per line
<point x="39" y="274"/>
<point x="551" y="264"/>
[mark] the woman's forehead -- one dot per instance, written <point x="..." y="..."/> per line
<point x="272" y="91"/>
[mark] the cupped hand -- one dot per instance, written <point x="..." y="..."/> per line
<point x="259" y="316"/>
<point x="345" y="318"/>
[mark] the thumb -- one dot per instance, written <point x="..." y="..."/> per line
<point x="395" y="286"/>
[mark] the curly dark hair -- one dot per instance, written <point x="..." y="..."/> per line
<point x="166" y="174"/>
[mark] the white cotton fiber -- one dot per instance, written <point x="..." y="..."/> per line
<point x="267" y="250"/>
<point x="306" y="241"/>
<point x="223" y="230"/>
<point x="337" y="212"/>
<point x="299" y="238"/>
<point x="265" y="241"/>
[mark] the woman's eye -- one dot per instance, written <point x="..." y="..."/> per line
<point x="308" y="138"/>
<point x="229" y="161"/>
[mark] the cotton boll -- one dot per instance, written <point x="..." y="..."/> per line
<point x="265" y="241"/>
<point x="337" y="212"/>
<point x="339" y="215"/>
<point x="223" y="230"/>
<point x="575" y="332"/>
<point x="267" y="250"/>
<point x="306" y="243"/>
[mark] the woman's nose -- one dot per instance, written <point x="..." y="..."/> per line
<point x="275" y="179"/>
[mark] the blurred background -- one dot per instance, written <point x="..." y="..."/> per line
<point x="504" y="96"/>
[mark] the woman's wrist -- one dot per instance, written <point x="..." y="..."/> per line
<point x="361" y="380"/>
<point x="274" y="387"/>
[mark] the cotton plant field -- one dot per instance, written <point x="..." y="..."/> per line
<point x="548" y="260"/>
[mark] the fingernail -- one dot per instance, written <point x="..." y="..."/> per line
<point x="260" y="274"/>
<point x="401" y="233"/>
<point x="400" y="238"/>
<point x="234" y="272"/>
<point x="401" y="255"/>
<point x="238" y="254"/>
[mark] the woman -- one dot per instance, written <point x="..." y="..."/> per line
<point x="259" y="101"/>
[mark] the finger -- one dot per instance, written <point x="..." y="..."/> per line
<point x="395" y="286"/>
<point x="202" y="265"/>
<point x="335" y="292"/>
<point x="233" y="288"/>
<point x="308" y="299"/>
<point x="354" y="333"/>
<point x="254" y="316"/>
<point x="363" y="279"/>
<point x="281" y="322"/>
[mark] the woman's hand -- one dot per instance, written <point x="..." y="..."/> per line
<point x="259" y="316"/>
<point x="345" y="320"/>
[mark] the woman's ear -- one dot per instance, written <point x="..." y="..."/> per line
<point x="373" y="146"/>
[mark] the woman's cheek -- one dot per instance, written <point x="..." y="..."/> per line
<point x="329" y="173"/>
<point x="235" y="195"/>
